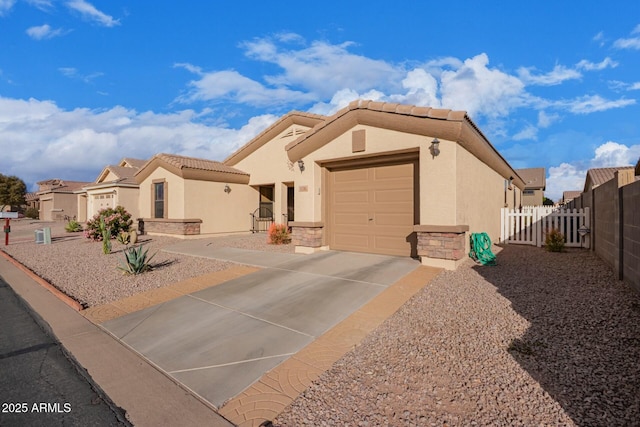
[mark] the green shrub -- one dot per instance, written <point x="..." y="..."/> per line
<point x="32" y="213"/>
<point x="116" y="220"/>
<point x="73" y="226"/>
<point x="136" y="261"/>
<point x="279" y="234"/>
<point x="554" y="241"/>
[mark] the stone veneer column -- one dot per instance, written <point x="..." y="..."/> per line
<point x="307" y="236"/>
<point x="178" y="227"/>
<point x="442" y="246"/>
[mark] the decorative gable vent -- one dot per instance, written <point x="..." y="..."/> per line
<point x="294" y="132"/>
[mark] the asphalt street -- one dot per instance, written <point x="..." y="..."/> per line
<point x="39" y="385"/>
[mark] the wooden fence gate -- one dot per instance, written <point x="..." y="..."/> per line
<point x="529" y="225"/>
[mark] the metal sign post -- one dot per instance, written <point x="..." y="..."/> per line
<point x="7" y="224"/>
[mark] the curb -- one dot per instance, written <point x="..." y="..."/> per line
<point x="55" y="291"/>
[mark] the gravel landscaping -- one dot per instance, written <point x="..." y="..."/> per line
<point x="542" y="338"/>
<point x="77" y="266"/>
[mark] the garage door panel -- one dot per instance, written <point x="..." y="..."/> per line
<point x="358" y="241"/>
<point x="393" y="172"/>
<point x="345" y="219"/>
<point x="352" y="176"/>
<point x="393" y="195"/>
<point x="351" y="197"/>
<point x="396" y="220"/>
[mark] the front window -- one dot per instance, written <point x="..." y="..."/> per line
<point x="266" y="201"/>
<point x="158" y="199"/>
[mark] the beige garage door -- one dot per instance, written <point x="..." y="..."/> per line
<point x="371" y="209"/>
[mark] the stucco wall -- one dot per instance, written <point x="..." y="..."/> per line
<point x="269" y="165"/>
<point x="128" y="198"/>
<point x="82" y="207"/>
<point x="174" y="195"/>
<point x="220" y="212"/>
<point x="58" y="206"/>
<point x="480" y="194"/>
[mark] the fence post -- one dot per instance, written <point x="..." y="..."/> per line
<point x="537" y="227"/>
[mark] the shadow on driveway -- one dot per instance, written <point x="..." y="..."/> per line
<point x="583" y="345"/>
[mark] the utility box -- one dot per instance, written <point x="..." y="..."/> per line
<point x="43" y="236"/>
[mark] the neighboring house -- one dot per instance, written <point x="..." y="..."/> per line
<point x="115" y="186"/>
<point x="33" y="200"/>
<point x="534" y="186"/>
<point x="374" y="177"/>
<point x="598" y="176"/>
<point x="58" y="200"/>
<point x="189" y="196"/>
<point x="568" y="196"/>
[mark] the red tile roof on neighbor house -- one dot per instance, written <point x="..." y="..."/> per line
<point x="135" y="163"/>
<point x="534" y="178"/>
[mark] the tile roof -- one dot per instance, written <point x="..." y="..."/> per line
<point x="136" y="163"/>
<point x="570" y="195"/>
<point x="598" y="176"/>
<point x="533" y="177"/>
<point x="61" y="186"/>
<point x="183" y="162"/>
<point x="386" y="107"/>
<point x="307" y="120"/>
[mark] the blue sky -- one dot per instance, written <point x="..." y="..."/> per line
<point x="85" y="83"/>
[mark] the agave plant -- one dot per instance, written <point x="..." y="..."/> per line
<point x="136" y="261"/>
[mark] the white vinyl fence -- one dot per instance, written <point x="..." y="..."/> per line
<point x="529" y="225"/>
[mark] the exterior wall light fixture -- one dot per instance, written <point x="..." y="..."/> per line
<point x="301" y="165"/>
<point x="227" y="189"/>
<point x="435" y="147"/>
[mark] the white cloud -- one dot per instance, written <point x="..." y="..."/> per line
<point x="629" y="43"/>
<point x="44" y="5"/>
<point x="529" y="132"/>
<point x="545" y="120"/>
<point x="6" y="6"/>
<point x="571" y="176"/>
<point x="422" y="88"/>
<point x="77" y="144"/>
<point x="634" y="86"/>
<point x="232" y="86"/>
<point x="591" y="66"/>
<point x="90" y="12"/>
<point x="44" y="32"/>
<point x="73" y="73"/>
<point x="592" y="103"/>
<point x="565" y="177"/>
<point x="322" y="68"/>
<point x="478" y="89"/>
<point x="611" y="154"/>
<point x="559" y="74"/>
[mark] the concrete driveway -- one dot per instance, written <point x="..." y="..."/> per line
<point x="220" y="340"/>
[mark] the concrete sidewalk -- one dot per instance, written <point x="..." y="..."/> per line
<point x="148" y="396"/>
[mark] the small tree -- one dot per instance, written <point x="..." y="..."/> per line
<point x="12" y="191"/>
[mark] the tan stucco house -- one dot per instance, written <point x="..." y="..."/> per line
<point x="534" y="185"/>
<point x="374" y="177"/>
<point x="114" y="186"/>
<point x="57" y="199"/>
